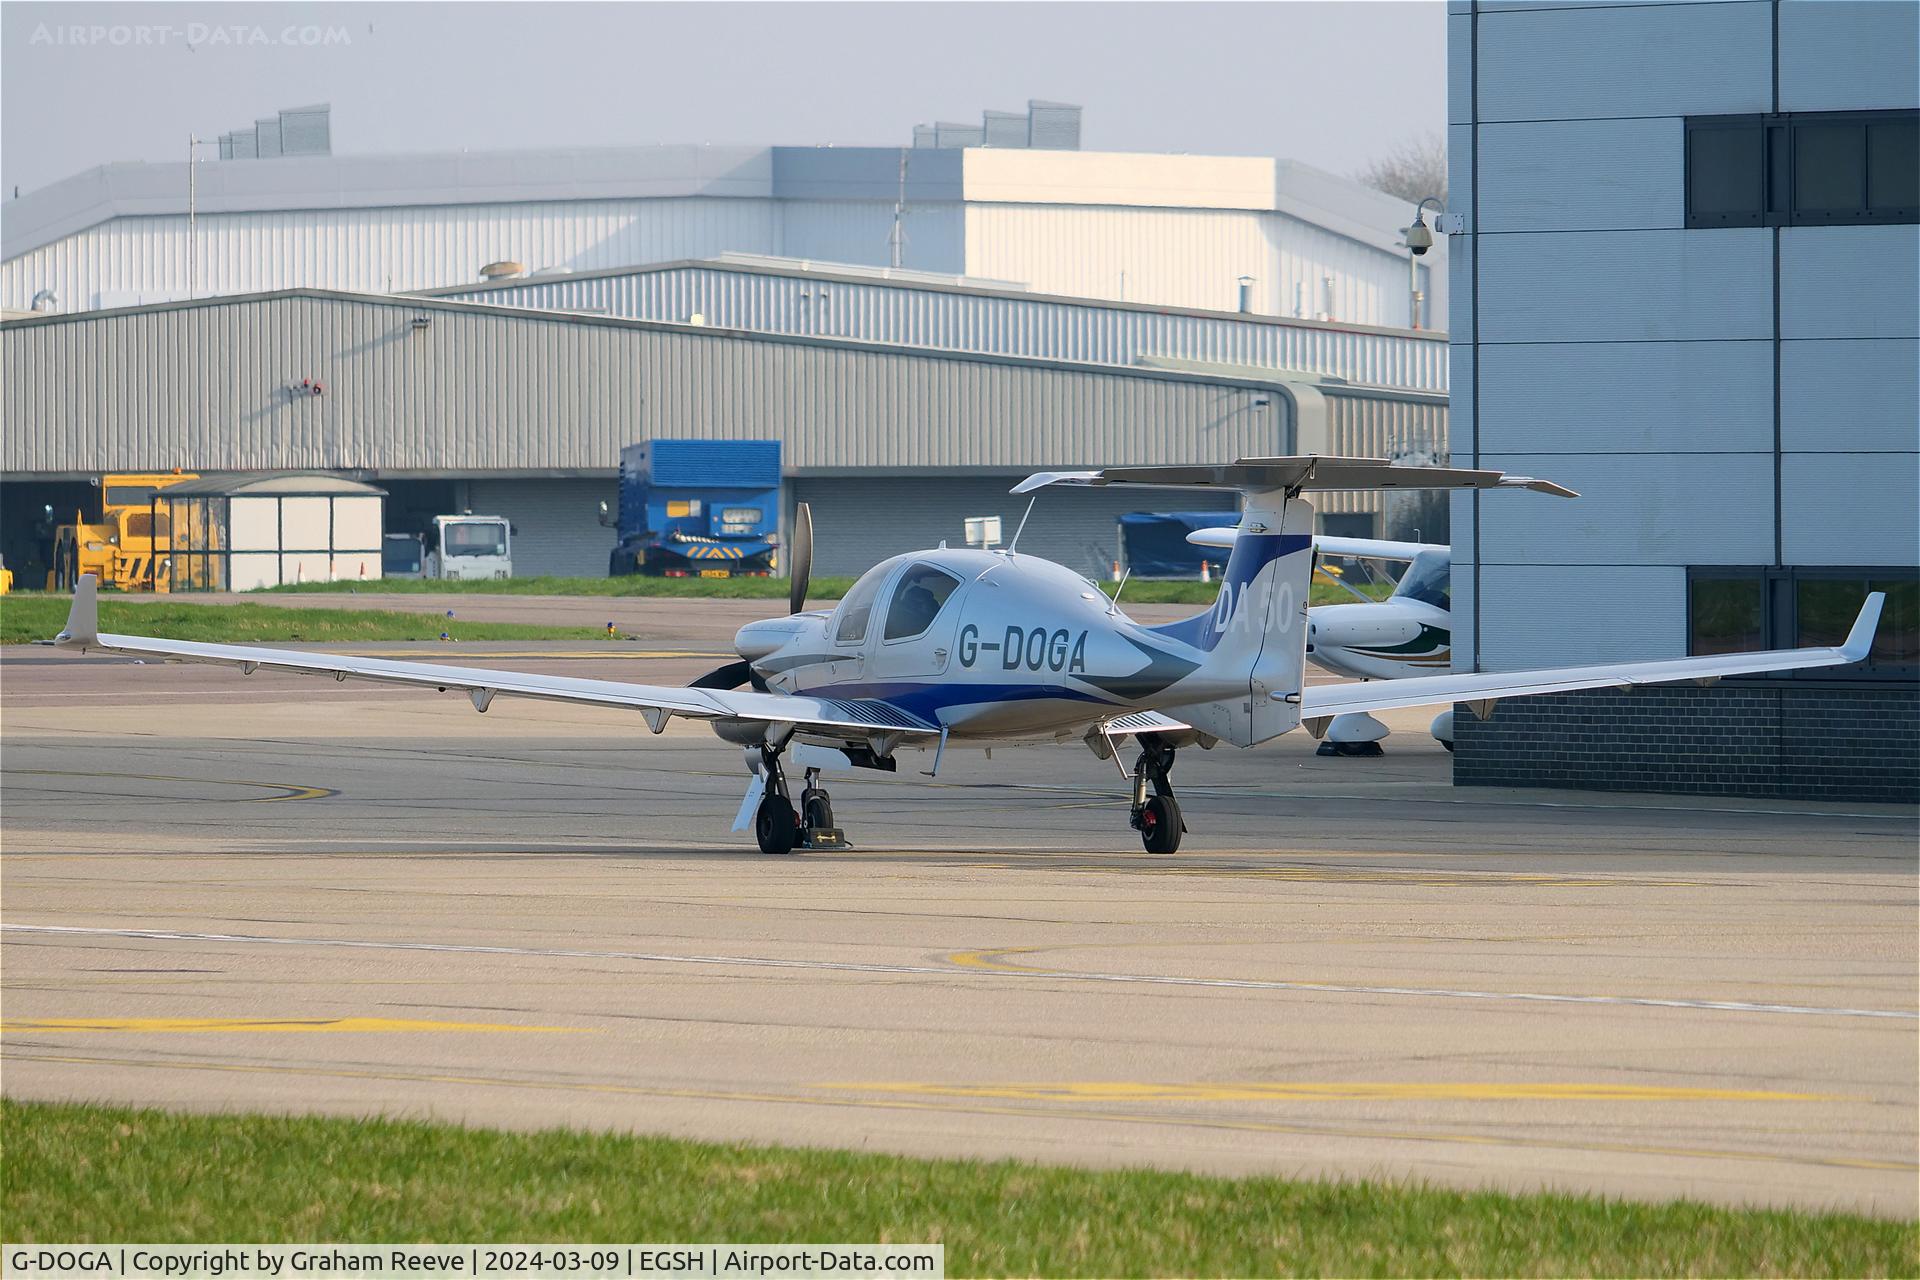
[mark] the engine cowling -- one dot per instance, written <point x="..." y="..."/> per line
<point x="1366" y="626"/>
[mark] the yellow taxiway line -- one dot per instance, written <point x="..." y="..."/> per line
<point x="1026" y="1113"/>
<point x="1340" y="1091"/>
<point x="291" y="790"/>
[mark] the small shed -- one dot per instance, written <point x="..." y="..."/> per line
<point x="239" y="532"/>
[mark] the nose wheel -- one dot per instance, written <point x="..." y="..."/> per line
<point x="1157" y="816"/>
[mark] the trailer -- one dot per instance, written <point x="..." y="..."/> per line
<point x="697" y="509"/>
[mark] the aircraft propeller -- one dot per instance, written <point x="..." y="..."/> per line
<point x="735" y="674"/>
<point x="801" y="570"/>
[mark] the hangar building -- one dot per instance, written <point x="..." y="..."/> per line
<point x="1171" y="230"/>
<point x="1686" y="287"/>
<point x="451" y="405"/>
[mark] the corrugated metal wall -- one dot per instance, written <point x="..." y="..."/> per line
<point x="379" y="250"/>
<point x="1166" y="257"/>
<point x="859" y="522"/>
<point x="218" y="386"/>
<point x="998" y="324"/>
<point x="1373" y="427"/>
<point x="557" y="527"/>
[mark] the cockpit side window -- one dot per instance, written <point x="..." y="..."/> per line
<point x="850" y="622"/>
<point x="917" y="601"/>
<point x="1428" y="579"/>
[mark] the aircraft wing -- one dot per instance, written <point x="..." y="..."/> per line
<point x="857" y="718"/>
<point x="1421" y="691"/>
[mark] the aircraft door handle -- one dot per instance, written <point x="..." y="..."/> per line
<point x="940" y="654"/>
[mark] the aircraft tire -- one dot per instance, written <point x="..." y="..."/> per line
<point x="1160" y="825"/>
<point x="819" y="810"/>
<point x="774" y="826"/>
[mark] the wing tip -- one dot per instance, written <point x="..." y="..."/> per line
<point x="83" y="615"/>
<point x="1859" y="641"/>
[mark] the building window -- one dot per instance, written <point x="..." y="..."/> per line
<point x="1740" y="610"/>
<point x="1822" y="168"/>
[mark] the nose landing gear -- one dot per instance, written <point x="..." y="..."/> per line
<point x="777" y="828"/>
<point x="1156" y="817"/>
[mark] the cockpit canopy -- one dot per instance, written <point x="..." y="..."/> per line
<point x="920" y="593"/>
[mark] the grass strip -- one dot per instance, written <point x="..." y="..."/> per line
<point x="86" y="1173"/>
<point x="25" y="618"/>
<point x="1138" y="591"/>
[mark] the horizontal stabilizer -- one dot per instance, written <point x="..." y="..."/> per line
<point x="1310" y="472"/>
<point x="1327" y="545"/>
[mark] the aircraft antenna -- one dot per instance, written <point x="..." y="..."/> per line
<point x="1113" y="604"/>
<point x="1023" y="524"/>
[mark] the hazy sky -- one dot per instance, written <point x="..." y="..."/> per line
<point x="1328" y="83"/>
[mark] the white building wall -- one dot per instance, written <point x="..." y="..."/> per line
<point x="1188" y="258"/>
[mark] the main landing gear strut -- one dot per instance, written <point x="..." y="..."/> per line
<point x="1156" y="817"/>
<point x="777" y="827"/>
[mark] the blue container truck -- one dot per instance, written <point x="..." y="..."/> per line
<point x="698" y="509"/>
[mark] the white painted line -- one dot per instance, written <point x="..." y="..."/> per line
<point x="955" y="971"/>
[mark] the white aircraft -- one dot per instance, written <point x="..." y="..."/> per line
<point x="984" y="647"/>
<point x="1410" y="633"/>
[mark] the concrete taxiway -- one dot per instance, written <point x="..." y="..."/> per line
<point x="282" y="893"/>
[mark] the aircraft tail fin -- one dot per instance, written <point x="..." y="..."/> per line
<point x="1250" y="648"/>
<point x="1254" y="638"/>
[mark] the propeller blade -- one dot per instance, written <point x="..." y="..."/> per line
<point x="731" y="676"/>
<point x="801" y="570"/>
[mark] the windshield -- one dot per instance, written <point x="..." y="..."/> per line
<point x="400" y="555"/>
<point x="130" y="495"/>
<point x="850" y="620"/>
<point x="1428" y="579"/>
<point x="483" y="538"/>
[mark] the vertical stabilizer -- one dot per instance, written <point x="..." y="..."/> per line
<point x="1255" y="637"/>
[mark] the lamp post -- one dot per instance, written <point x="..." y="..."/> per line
<point x="193" y="212"/>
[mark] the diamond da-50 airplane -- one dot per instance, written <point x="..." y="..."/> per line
<point x="969" y="647"/>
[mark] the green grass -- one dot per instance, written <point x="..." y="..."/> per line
<point x="1141" y="591"/>
<point x="25" y="618"/>
<point x="87" y="1174"/>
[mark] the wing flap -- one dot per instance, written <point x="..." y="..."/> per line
<point x="1423" y="691"/>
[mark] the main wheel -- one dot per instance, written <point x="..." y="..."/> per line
<point x="1160" y="825"/>
<point x="774" y="826"/>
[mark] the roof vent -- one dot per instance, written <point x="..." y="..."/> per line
<point x="506" y="269"/>
<point x="1053" y="126"/>
<point x="295" y="131"/>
